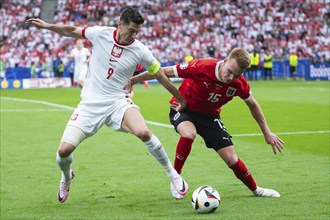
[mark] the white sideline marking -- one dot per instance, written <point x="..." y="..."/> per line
<point x="159" y="124"/>
<point x="285" y="133"/>
<point x="33" y="110"/>
<point x="38" y="102"/>
<point x="148" y="122"/>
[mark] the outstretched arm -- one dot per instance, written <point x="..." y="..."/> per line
<point x="162" y="76"/>
<point x="147" y="76"/>
<point x="64" y="30"/>
<point x="164" y="80"/>
<point x="258" y="115"/>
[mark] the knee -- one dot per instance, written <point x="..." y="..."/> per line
<point x="144" y="134"/>
<point x="65" y="149"/>
<point x="228" y="155"/>
<point x="231" y="161"/>
<point x="189" y="135"/>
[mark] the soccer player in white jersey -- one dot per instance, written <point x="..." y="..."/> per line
<point x="115" y="55"/>
<point x="81" y="57"/>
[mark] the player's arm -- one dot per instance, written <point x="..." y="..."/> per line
<point x="164" y="80"/>
<point x="154" y="71"/>
<point x="258" y="115"/>
<point x="144" y="76"/>
<point x="64" y="30"/>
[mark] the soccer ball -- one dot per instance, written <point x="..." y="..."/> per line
<point x="205" y="199"/>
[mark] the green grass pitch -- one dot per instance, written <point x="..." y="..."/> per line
<point x="116" y="177"/>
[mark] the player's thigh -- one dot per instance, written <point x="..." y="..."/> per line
<point x="187" y="129"/>
<point x="134" y="123"/>
<point x="183" y="123"/>
<point x="71" y="138"/>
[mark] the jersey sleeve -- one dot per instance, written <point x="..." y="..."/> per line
<point x="244" y="92"/>
<point x="186" y="70"/>
<point x="91" y="33"/>
<point x="150" y="62"/>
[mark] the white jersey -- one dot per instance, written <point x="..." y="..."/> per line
<point x="112" y="64"/>
<point x="80" y="65"/>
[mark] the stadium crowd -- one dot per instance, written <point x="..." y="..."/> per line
<point x="203" y="28"/>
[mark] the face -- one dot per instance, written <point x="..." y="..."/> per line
<point x="79" y="44"/>
<point x="127" y="33"/>
<point x="229" y="71"/>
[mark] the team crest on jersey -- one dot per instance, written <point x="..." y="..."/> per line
<point x="230" y="91"/>
<point x="117" y="51"/>
<point x="183" y="66"/>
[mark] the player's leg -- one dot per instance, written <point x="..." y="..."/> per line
<point x="215" y="135"/>
<point x="75" y="77"/>
<point x="228" y="154"/>
<point x="71" y="138"/>
<point x="134" y="123"/>
<point x="183" y="124"/>
<point x="82" y="76"/>
<point x="187" y="132"/>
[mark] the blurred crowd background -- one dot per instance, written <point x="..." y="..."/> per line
<point x="174" y="29"/>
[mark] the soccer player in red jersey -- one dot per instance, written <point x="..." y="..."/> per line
<point x="208" y="85"/>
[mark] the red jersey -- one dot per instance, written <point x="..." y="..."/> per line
<point x="202" y="88"/>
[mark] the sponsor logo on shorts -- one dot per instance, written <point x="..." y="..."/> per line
<point x="74" y="117"/>
<point x="176" y="116"/>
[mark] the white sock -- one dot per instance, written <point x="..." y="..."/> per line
<point x="157" y="150"/>
<point x="64" y="164"/>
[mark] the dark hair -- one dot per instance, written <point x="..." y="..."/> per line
<point x="130" y="14"/>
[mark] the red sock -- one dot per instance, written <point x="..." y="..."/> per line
<point x="182" y="152"/>
<point x="244" y="175"/>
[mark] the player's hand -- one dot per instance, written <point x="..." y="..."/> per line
<point x="177" y="106"/>
<point x="128" y="87"/>
<point x="275" y="142"/>
<point x="37" y="22"/>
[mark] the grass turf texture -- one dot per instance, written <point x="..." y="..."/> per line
<point x="116" y="177"/>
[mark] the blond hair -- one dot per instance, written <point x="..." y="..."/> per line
<point x="241" y="56"/>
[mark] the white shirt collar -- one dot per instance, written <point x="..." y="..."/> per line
<point x="217" y="75"/>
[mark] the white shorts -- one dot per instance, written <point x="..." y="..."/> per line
<point x="80" y="73"/>
<point x="82" y="76"/>
<point x="92" y="114"/>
